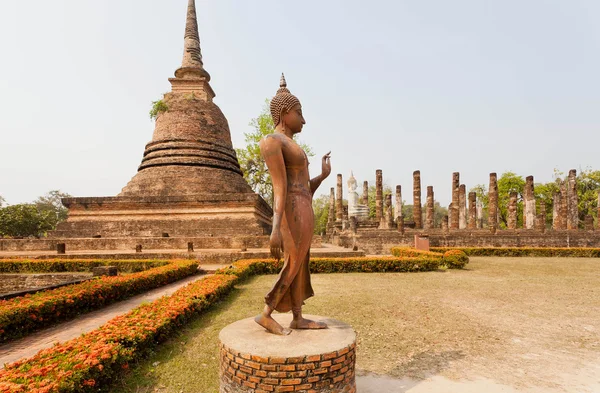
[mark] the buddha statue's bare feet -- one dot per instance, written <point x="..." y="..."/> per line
<point x="303" y="323"/>
<point x="271" y="325"/>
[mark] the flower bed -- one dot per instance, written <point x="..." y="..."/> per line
<point x="525" y="251"/>
<point x="75" y="265"/>
<point x="87" y="363"/>
<point x="22" y="315"/>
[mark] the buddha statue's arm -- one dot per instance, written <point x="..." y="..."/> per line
<point x="315" y="182"/>
<point x="270" y="149"/>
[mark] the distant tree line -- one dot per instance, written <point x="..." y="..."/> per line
<point x="32" y="219"/>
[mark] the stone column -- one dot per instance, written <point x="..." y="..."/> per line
<point x="445" y="224"/>
<point x="365" y="194"/>
<point x="540" y="223"/>
<point x="353" y="224"/>
<point x="563" y="210"/>
<point x="331" y="217"/>
<point x="462" y="207"/>
<point x="512" y="211"/>
<point x="556" y="211"/>
<point x="398" y="203"/>
<point x="389" y="213"/>
<point x="400" y="224"/>
<point x="493" y="203"/>
<point x="472" y="224"/>
<point x="429" y="208"/>
<point x="589" y="223"/>
<point x="454" y="211"/>
<point x="529" y="202"/>
<point x="345" y="221"/>
<point x="479" y="214"/>
<point x="573" y="201"/>
<point x="542" y="213"/>
<point x="339" y="202"/>
<point x="378" y="195"/>
<point x="417" y="210"/>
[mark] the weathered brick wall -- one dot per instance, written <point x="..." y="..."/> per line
<point x="380" y="241"/>
<point x="326" y="373"/>
<point x="23" y="282"/>
<point x="149" y="243"/>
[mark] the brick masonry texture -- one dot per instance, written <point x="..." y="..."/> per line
<point x="331" y="372"/>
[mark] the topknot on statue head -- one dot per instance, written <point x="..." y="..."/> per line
<point x="283" y="101"/>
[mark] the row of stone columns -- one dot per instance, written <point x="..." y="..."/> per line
<point x="461" y="216"/>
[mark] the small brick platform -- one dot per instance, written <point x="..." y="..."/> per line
<point x="306" y="361"/>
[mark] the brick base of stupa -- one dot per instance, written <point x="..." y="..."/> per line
<point x="186" y="216"/>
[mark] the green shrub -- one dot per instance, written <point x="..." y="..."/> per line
<point x="455" y="259"/>
<point x="158" y="107"/>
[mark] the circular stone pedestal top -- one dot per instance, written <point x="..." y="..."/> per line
<point x="246" y="336"/>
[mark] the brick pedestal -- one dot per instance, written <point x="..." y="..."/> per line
<point x="315" y="361"/>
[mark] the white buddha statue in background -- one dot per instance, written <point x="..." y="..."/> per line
<point x="361" y="212"/>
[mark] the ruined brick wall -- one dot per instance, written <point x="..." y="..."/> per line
<point x="148" y="243"/>
<point x="379" y="242"/>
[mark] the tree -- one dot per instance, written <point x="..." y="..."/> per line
<point x="438" y="214"/>
<point x="51" y="203"/>
<point x="24" y="220"/>
<point x="2" y="201"/>
<point x="321" y="209"/>
<point x="588" y="187"/>
<point x="251" y="162"/>
<point x="545" y="192"/>
<point x="507" y="183"/>
<point x="373" y="196"/>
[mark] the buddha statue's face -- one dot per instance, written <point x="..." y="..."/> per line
<point x="293" y="119"/>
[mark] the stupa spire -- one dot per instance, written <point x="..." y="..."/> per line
<point x="192" y="67"/>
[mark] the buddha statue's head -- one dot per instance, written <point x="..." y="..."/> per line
<point x="286" y="110"/>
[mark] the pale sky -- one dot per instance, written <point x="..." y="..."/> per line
<point x="472" y="86"/>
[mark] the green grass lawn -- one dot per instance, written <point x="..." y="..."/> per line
<point x="499" y="318"/>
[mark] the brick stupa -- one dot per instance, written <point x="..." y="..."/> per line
<point x="189" y="183"/>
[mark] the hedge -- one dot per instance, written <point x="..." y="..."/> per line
<point x="414" y="253"/>
<point x="22" y="315"/>
<point x="450" y="258"/>
<point x="75" y="265"/>
<point x="248" y="267"/>
<point x="90" y="361"/>
<point x="525" y="251"/>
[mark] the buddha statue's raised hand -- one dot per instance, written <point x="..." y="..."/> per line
<point x="325" y="166"/>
